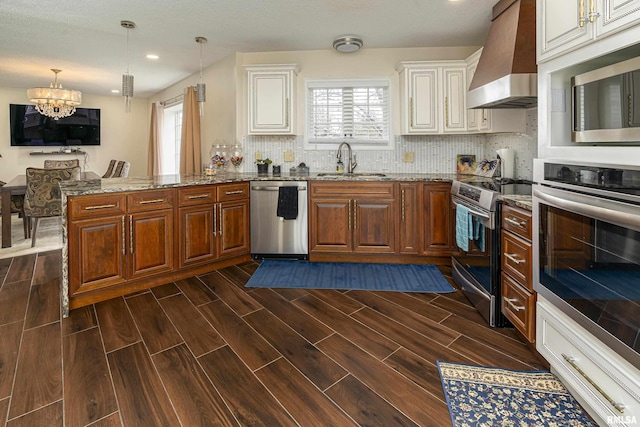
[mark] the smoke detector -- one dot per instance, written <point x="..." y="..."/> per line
<point x="347" y="44"/>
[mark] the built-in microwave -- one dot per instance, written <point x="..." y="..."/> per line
<point x="606" y="104"/>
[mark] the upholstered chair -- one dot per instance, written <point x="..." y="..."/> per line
<point x="42" y="197"/>
<point x="48" y="164"/>
<point x="117" y="169"/>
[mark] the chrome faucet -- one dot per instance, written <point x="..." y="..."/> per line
<point x="351" y="161"/>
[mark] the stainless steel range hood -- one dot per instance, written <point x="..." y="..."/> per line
<point x="506" y="76"/>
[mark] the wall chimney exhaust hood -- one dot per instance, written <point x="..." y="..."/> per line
<point x="506" y="76"/>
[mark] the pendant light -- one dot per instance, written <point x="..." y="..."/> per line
<point x="127" y="79"/>
<point x="201" y="88"/>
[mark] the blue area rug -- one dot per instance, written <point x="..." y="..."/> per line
<point x="480" y="396"/>
<point x="345" y="275"/>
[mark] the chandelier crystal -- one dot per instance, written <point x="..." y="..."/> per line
<point x="127" y="79"/>
<point x="54" y="101"/>
<point x="201" y="88"/>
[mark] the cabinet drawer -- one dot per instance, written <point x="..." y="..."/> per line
<point x="353" y="189"/>
<point x="150" y="200"/>
<point x="197" y="195"/>
<point x="235" y="191"/>
<point x="569" y="348"/>
<point x="516" y="259"/>
<point x="518" y="221"/>
<point x="518" y="304"/>
<point x="96" y="206"/>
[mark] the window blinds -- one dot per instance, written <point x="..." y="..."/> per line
<point x="357" y="112"/>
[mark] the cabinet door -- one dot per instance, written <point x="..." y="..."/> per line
<point x="562" y="26"/>
<point x="472" y="114"/>
<point x="617" y="14"/>
<point x="410" y="219"/>
<point x="423" y="101"/>
<point x="197" y="234"/>
<point x="270" y="108"/>
<point x="438" y="220"/>
<point x="233" y="228"/>
<point x="455" y="99"/>
<point x="374" y="224"/>
<point x="330" y="225"/>
<point x="150" y="243"/>
<point x="96" y="253"/>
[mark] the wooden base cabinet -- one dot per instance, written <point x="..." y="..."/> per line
<point x="410" y="230"/>
<point x="355" y="219"/>
<point x="115" y="238"/>
<point x="119" y="243"/>
<point x="518" y="297"/>
<point x="438" y="220"/>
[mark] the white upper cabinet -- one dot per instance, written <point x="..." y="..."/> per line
<point x="433" y="97"/>
<point x="567" y="24"/>
<point x="271" y="99"/>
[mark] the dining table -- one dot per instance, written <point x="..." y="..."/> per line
<point x="18" y="187"/>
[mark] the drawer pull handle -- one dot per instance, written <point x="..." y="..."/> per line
<point x="229" y="193"/>
<point x="520" y="224"/>
<point x="150" y="202"/>
<point x="200" y="196"/>
<point x="513" y="258"/>
<point x="93" y="208"/>
<point x="510" y="303"/>
<point x="572" y="361"/>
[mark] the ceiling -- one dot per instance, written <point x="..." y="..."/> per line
<point x="86" y="41"/>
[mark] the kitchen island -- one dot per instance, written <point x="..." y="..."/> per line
<point x="122" y="235"/>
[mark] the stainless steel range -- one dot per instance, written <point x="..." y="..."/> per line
<point x="477" y="269"/>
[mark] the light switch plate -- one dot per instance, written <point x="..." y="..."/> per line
<point x="258" y="155"/>
<point x="289" y="156"/>
<point x="408" y="157"/>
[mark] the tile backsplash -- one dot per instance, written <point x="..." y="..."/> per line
<point x="432" y="153"/>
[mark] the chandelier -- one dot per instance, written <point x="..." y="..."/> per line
<point x="201" y="88"/>
<point x="127" y="79"/>
<point x="54" y="101"/>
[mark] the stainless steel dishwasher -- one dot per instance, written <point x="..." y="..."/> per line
<point x="273" y="236"/>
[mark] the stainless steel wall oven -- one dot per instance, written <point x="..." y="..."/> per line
<point x="588" y="248"/>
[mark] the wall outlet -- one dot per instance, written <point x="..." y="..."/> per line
<point x="289" y="156"/>
<point x="258" y="155"/>
<point x="408" y="157"/>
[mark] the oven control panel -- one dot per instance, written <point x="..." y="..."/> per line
<point x="470" y="193"/>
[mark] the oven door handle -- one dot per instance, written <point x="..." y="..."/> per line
<point x="620" y="213"/>
<point x="472" y="211"/>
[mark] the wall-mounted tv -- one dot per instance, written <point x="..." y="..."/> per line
<point x="30" y="128"/>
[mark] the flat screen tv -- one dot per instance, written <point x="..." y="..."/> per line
<point x="30" y="128"/>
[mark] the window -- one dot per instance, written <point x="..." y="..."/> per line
<point x="171" y="139"/>
<point x="356" y="111"/>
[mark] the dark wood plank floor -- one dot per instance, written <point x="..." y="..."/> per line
<point x="207" y="351"/>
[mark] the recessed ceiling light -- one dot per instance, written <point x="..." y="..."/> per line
<point x="152" y="56"/>
<point x="347" y="44"/>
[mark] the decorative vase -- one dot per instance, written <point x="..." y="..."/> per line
<point x="219" y="155"/>
<point x="237" y="156"/>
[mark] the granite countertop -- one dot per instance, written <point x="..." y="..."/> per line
<point x="114" y="185"/>
<point x="523" y="201"/>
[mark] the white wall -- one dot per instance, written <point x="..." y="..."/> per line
<point x="124" y="136"/>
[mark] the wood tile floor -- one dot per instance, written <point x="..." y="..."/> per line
<point x="207" y="351"/>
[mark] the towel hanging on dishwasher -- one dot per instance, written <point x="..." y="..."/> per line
<point x="287" y="202"/>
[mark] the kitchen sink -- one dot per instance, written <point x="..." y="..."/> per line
<point x="354" y="175"/>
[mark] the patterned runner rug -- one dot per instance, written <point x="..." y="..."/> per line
<point x="481" y="396"/>
<point x="347" y="275"/>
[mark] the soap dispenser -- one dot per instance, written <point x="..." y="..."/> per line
<point x="340" y="167"/>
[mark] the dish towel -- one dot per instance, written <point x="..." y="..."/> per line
<point x="463" y="224"/>
<point x="287" y="202"/>
<point x="478" y="233"/>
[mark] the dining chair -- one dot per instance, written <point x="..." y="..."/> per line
<point x="42" y="197"/>
<point x="117" y="169"/>
<point x="48" y="164"/>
